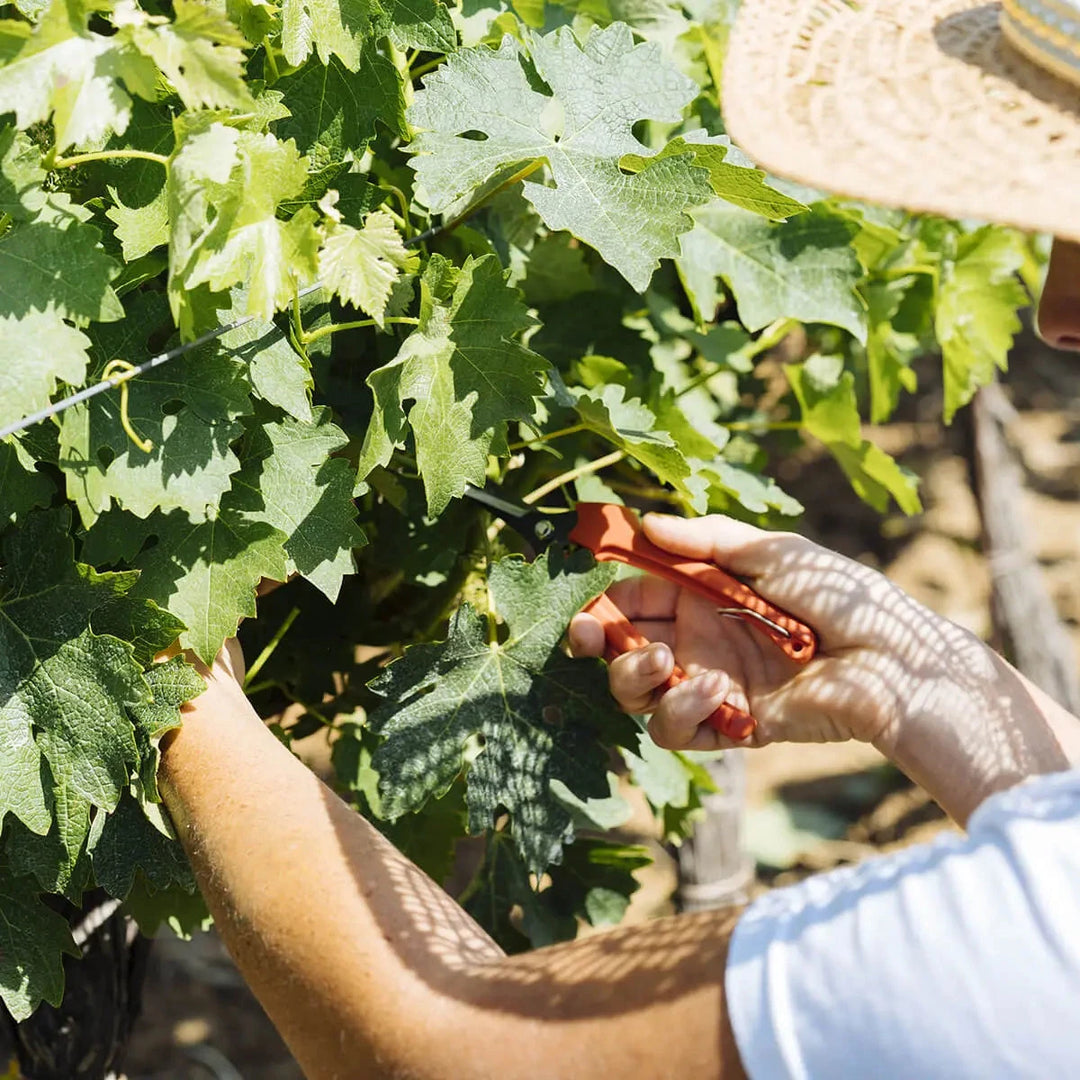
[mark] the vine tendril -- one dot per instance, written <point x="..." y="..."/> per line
<point x="119" y="372"/>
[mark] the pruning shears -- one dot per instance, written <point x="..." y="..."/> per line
<point x="613" y="534"/>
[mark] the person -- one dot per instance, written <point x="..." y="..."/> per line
<point x="958" y="958"/>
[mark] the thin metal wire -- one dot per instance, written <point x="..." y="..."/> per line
<point x="147" y="365"/>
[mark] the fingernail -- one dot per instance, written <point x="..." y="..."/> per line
<point x="653" y="660"/>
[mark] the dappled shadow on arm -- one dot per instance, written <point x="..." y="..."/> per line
<point x="602" y="1005"/>
<point x="941" y="702"/>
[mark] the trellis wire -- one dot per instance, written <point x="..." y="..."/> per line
<point x="147" y="365"/>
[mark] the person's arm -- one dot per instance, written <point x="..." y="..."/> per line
<point x="369" y="969"/>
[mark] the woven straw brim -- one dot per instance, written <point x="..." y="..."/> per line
<point x="920" y="104"/>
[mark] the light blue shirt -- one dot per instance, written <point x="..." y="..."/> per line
<point x="954" y="959"/>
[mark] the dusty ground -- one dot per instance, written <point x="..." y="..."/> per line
<point x="809" y="807"/>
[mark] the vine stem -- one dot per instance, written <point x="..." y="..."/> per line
<point x="268" y="52"/>
<point x="570" y="475"/>
<point x="700" y="379"/>
<point x="646" y="491"/>
<point x="714" y="59"/>
<point x="423" y="69"/>
<point x="450" y="226"/>
<point x="754" y="425"/>
<point x="107" y="155"/>
<point x="587" y="469"/>
<point x="333" y="328"/>
<point x="908" y="271"/>
<point x="296" y="331"/>
<point x="270" y="647"/>
<point x="404" y="204"/>
<point x="573" y="429"/>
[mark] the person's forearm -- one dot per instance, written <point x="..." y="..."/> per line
<point x="312" y="903"/>
<point x="369" y="969"/>
<point x="976" y="727"/>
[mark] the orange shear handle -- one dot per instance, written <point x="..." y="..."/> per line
<point x="623" y="637"/>
<point x="613" y="533"/>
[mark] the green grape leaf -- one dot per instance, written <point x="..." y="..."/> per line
<point x="665" y="776"/>
<point x="594" y="882"/>
<point x="278" y="373"/>
<point x="223" y="191"/>
<point x="21" y="176"/>
<point x="731" y="174"/>
<point x="183" y="912"/>
<point x="147" y="628"/>
<point x="976" y="314"/>
<point x="608" y="812"/>
<point x="188" y="411"/>
<point x="631" y="426"/>
<point x="22" y="487"/>
<point x="334" y="110"/>
<point x="42" y="349"/>
<point x="172" y="682"/>
<point x="139" y="229"/>
<point x="57" y="860"/>
<point x="556" y="270"/>
<point x="127" y="841"/>
<point x="467" y="378"/>
<point x="427" y="838"/>
<point x="61" y="69"/>
<point x="64" y="688"/>
<point x="889" y="348"/>
<point x="205" y="574"/>
<point x="729" y="482"/>
<point x="55" y="263"/>
<point x="421" y="24"/>
<point x="582" y="130"/>
<point x="826" y="395"/>
<point x="536" y="711"/>
<point x="199" y="53"/>
<point x="329" y="27"/>
<point x="257" y="19"/>
<point x="360" y="266"/>
<point x="33" y="940"/>
<point x="502" y="900"/>
<point x="291" y="482"/>
<point x="802" y="269"/>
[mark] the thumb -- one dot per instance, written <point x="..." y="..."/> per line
<point x="734" y="545"/>
<point x="846" y="602"/>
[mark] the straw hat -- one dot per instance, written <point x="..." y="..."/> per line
<point x="956" y="107"/>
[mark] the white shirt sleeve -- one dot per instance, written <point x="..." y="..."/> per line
<point x="955" y="959"/>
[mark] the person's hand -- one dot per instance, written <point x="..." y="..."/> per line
<point x="882" y="656"/>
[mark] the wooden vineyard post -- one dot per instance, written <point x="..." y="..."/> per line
<point x="714" y="870"/>
<point x="1026" y="624"/>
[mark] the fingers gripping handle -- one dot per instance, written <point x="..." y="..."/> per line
<point x="622" y="637"/>
<point x="613" y="533"/>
